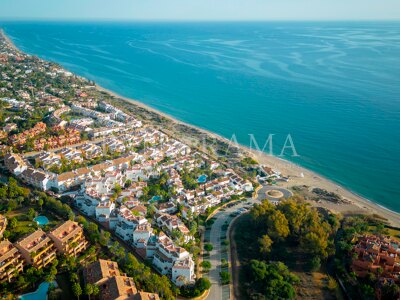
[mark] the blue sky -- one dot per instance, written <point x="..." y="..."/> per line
<point x="201" y="9"/>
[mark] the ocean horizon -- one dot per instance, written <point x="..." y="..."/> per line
<point x="333" y="86"/>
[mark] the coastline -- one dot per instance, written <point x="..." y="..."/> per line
<point x="359" y="204"/>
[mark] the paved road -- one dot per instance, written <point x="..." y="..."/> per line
<point x="219" y="292"/>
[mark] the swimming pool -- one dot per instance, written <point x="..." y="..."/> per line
<point x="202" y="179"/>
<point x="155" y="199"/>
<point x="41" y="220"/>
<point x="40" y="293"/>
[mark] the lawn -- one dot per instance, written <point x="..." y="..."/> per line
<point x="25" y="225"/>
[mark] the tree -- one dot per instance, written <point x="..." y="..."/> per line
<point x="92" y="228"/>
<point x="367" y="291"/>
<point x="74" y="278"/>
<point x="206" y="265"/>
<point x="31" y="213"/>
<point x="277" y="225"/>
<point x="225" y="277"/>
<point x="272" y="279"/>
<point x="390" y="291"/>
<point x="13" y="223"/>
<point x="265" y="244"/>
<point x="202" y="284"/>
<point x="96" y="290"/>
<point x="77" y="290"/>
<point x="40" y="202"/>
<point x="208" y="247"/>
<point x="314" y="264"/>
<point x="12" y="205"/>
<point x="81" y="220"/>
<point x="88" y="290"/>
<point x="104" y="238"/>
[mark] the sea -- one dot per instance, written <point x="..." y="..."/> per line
<point x="328" y="90"/>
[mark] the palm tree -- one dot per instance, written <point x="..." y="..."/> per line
<point x="89" y="289"/>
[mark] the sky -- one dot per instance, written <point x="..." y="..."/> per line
<point x="197" y="10"/>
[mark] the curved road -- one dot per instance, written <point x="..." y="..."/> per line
<point x="219" y="292"/>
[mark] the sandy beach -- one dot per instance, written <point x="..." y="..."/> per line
<point x="357" y="204"/>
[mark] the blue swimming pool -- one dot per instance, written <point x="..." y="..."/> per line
<point x="202" y="179"/>
<point x="40" y="293"/>
<point x="41" y="220"/>
<point x="155" y="199"/>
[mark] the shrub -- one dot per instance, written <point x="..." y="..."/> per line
<point x="208" y="247"/>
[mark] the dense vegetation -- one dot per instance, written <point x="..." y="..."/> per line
<point x="273" y="239"/>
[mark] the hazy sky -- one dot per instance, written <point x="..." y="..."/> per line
<point x="201" y="9"/>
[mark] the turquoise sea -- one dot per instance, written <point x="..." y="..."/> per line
<point x="333" y="86"/>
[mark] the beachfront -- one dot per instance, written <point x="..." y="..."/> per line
<point x="358" y="205"/>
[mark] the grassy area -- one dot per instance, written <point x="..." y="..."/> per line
<point x="25" y="225"/>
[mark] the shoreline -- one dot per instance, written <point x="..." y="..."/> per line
<point x="359" y="204"/>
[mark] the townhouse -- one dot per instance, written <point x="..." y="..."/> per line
<point x="141" y="235"/>
<point x="167" y="259"/>
<point x="70" y="137"/>
<point x="15" y="163"/>
<point x="21" y="138"/>
<point x="90" y="151"/>
<point x="166" y="207"/>
<point x="379" y="255"/>
<point x="71" y="155"/>
<point x="127" y="223"/>
<point x="171" y="223"/>
<point x="103" y="211"/>
<point x="47" y="160"/>
<point x="37" y="178"/>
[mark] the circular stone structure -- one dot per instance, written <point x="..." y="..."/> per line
<point x="274" y="194"/>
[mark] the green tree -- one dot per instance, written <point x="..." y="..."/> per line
<point x="96" y="290"/>
<point x="208" y="247"/>
<point x="272" y="279"/>
<point x="31" y="213"/>
<point x="206" y="265"/>
<point x="225" y="277"/>
<point x="74" y="277"/>
<point x="13" y="223"/>
<point x="314" y="264"/>
<point x="265" y="244"/>
<point x="88" y="290"/>
<point x="40" y="202"/>
<point x="77" y="290"/>
<point x="202" y="284"/>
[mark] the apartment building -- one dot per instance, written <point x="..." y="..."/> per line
<point x="11" y="261"/>
<point x="37" y="249"/>
<point x="68" y="238"/>
<point x="113" y="284"/>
